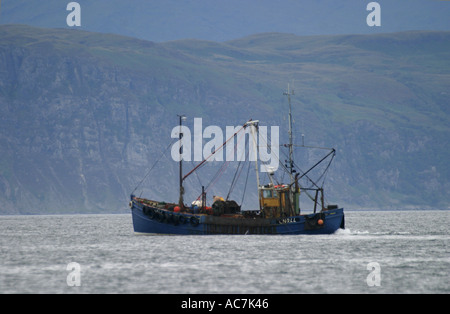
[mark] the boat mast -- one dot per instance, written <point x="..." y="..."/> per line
<point x="180" y="200"/>
<point x="290" y="165"/>
<point x="253" y="132"/>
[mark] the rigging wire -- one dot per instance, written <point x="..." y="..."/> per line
<point x="148" y="172"/>
<point x="215" y="151"/>
<point x="269" y="144"/>
<point x="305" y="174"/>
<point x="245" y="186"/>
<point x="239" y="135"/>
<point x="237" y="175"/>
<point x="196" y="174"/>
<point x="325" y="172"/>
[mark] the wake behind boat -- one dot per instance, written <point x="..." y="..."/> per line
<point x="278" y="212"/>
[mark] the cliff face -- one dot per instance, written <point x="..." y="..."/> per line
<point x="83" y="116"/>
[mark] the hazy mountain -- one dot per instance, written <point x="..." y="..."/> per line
<point x="84" y="115"/>
<point x="164" y="20"/>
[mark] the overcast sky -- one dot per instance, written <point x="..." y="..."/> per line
<point x="220" y="20"/>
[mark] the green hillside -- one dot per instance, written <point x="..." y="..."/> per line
<point x="84" y="115"/>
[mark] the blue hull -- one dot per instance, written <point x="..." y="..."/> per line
<point x="160" y="221"/>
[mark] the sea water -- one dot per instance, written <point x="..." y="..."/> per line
<point x="379" y="252"/>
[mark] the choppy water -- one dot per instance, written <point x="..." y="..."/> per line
<point x="411" y="249"/>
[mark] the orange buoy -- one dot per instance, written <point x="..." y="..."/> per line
<point x="320" y="222"/>
<point x="176" y="209"/>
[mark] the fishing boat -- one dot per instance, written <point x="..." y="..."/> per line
<point x="278" y="210"/>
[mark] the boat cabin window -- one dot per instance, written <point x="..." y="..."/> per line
<point x="269" y="194"/>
